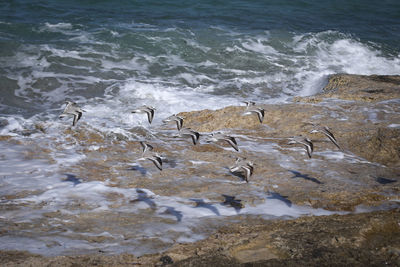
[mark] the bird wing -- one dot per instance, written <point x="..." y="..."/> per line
<point x="248" y="172"/>
<point x="150" y="114"/>
<point x="146" y="147"/>
<point x="231" y="140"/>
<point x="179" y="123"/>
<point x="195" y="137"/>
<point x="76" y="118"/>
<point x="79" y="115"/>
<point x="331" y="137"/>
<point x="309" y="148"/>
<point x="260" y="114"/>
<point x="234" y="168"/>
<point x="157" y="162"/>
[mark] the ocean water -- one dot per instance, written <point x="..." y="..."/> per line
<point x="120" y="53"/>
<point x="112" y="56"/>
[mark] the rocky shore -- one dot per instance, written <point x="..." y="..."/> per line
<point x="361" y="181"/>
<point x="364" y="239"/>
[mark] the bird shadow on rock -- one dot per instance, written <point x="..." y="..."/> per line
<point x="233" y="202"/>
<point x="170" y="162"/>
<point x="305" y="177"/>
<point x="144" y="197"/>
<point x="172" y="211"/>
<point x="240" y="175"/>
<point x="284" y="199"/>
<point x="72" y="178"/>
<point x="138" y="168"/>
<point x="201" y="204"/>
<point x="383" y="180"/>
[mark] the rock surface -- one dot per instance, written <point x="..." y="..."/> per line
<point x="365" y="239"/>
<point x="363" y="112"/>
<point x="360" y="88"/>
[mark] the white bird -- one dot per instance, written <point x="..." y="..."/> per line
<point x="326" y="131"/>
<point x="242" y="165"/>
<point x="215" y="137"/>
<point x="308" y="145"/>
<point x="249" y="103"/>
<point x="146" y="109"/>
<point x="259" y="111"/>
<point x="72" y="109"/>
<point x="177" y="119"/>
<point x="187" y="132"/>
<point x="156" y="159"/>
<point x="145" y="147"/>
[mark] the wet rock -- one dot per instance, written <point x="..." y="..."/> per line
<point x="5" y="137"/>
<point x="363" y="174"/>
<point x="378" y="145"/>
<point x="359" y="87"/>
<point x="165" y="260"/>
<point x="3" y="122"/>
<point x="372" y="142"/>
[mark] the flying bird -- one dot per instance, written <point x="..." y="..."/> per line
<point x="187" y="132"/>
<point x="145" y="147"/>
<point x="72" y="109"/>
<point x="259" y="111"/>
<point x="156" y="159"/>
<point x="326" y="131"/>
<point x="308" y="145"/>
<point x="146" y="109"/>
<point x="215" y="137"/>
<point x="177" y="119"/>
<point x="242" y="165"/>
<point x="249" y="103"/>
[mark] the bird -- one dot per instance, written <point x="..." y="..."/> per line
<point x="177" y="119"/>
<point x="242" y="164"/>
<point x="149" y="110"/>
<point x="145" y="147"/>
<point x="259" y="111"/>
<point x="215" y="137"/>
<point x="72" y="109"/>
<point x="326" y="131"/>
<point x="156" y="159"/>
<point x="308" y="145"/>
<point x="249" y="103"/>
<point x="187" y="132"/>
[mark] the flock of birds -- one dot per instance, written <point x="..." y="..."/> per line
<point x="241" y="164"/>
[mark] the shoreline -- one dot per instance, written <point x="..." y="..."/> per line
<point x="376" y="234"/>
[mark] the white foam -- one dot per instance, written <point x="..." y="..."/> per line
<point x="93" y="194"/>
<point x="319" y="57"/>
<point x="394" y="125"/>
<point x="250" y="67"/>
<point x="14" y="124"/>
<point x="172" y="100"/>
<point x="260" y="46"/>
<point x="198" y="162"/>
<point x="60" y="25"/>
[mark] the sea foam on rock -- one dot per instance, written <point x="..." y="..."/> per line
<point x="373" y="141"/>
<point x="363" y="174"/>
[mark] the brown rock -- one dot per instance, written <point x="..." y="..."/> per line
<point x="359" y="87"/>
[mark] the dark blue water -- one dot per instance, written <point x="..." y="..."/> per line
<point x="369" y="20"/>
